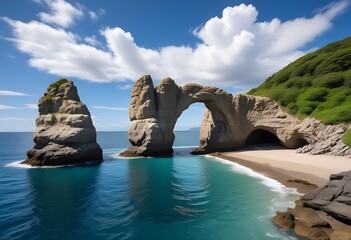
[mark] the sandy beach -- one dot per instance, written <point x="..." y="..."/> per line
<point x="302" y="171"/>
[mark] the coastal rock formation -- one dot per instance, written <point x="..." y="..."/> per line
<point x="324" y="213"/>
<point x="230" y="122"/>
<point x="64" y="130"/>
<point x="155" y="110"/>
<point x="322" y="138"/>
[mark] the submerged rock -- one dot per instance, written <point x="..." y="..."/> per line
<point x="64" y="130"/>
<point x="324" y="213"/>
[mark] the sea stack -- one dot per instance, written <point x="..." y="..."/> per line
<point x="64" y="133"/>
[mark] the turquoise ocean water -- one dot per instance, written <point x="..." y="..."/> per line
<point x="180" y="197"/>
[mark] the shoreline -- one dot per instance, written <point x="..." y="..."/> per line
<point x="301" y="171"/>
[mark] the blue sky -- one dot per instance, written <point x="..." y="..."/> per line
<point x="104" y="46"/>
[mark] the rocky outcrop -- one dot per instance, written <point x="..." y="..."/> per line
<point x="324" y="213"/>
<point x="322" y="138"/>
<point x="64" y="130"/>
<point x="230" y="122"/>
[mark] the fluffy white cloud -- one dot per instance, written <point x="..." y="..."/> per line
<point x="125" y="86"/>
<point x="6" y="107"/>
<point x="233" y="50"/>
<point x="60" y="53"/>
<point x="31" y="106"/>
<point x="14" y="119"/>
<point x="110" y="108"/>
<point x="96" y="15"/>
<point x="26" y="106"/>
<point x="93" y="15"/>
<point x="93" y="41"/>
<point x="61" y="13"/>
<point x="12" y="93"/>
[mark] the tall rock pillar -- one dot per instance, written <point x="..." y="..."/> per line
<point x="64" y="131"/>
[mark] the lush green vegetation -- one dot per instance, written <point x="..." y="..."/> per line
<point x="346" y="138"/>
<point x="46" y="98"/>
<point x="58" y="83"/>
<point x="53" y="119"/>
<point x="317" y="84"/>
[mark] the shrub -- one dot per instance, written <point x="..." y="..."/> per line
<point x="281" y="77"/>
<point x="300" y="70"/>
<point x="53" y="119"/>
<point x="305" y="111"/>
<point x="315" y="94"/>
<point x="342" y="59"/>
<point x="346" y="138"/>
<point x="339" y="114"/>
<point x="46" y="98"/>
<point x="313" y="64"/>
<point x="276" y="94"/>
<point x="292" y="108"/>
<point x="299" y="82"/>
<point x="331" y="80"/>
<point x="58" y="83"/>
<point x="347" y="78"/>
<point x="336" y="98"/>
<point x="288" y="96"/>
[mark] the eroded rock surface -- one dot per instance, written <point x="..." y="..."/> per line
<point x="323" y="139"/>
<point x="155" y="110"/>
<point x="324" y="213"/>
<point x="64" y="130"/>
<point x="230" y="122"/>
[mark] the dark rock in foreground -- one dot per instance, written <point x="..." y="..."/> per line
<point x="64" y="130"/>
<point x="324" y="213"/>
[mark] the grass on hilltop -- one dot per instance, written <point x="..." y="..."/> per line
<point x="317" y="85"/>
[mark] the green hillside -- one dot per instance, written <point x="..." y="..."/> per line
<point x="317" y="84"/>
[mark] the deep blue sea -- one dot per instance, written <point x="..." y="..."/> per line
<point x="179" y="197"/>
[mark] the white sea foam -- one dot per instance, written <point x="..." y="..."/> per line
<point x="185" y="146"/>
<point x="277" y="235"/>
<point x="18" y="164"/>
<point x="272" y="184"/>
<point x="118" y="156"/>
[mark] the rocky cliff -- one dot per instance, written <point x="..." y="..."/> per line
<point x="324" y="213"/>
<point x="230" y="122"/>
<point x="64" y="130"/>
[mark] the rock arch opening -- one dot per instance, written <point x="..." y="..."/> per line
<point x="213" y="130"/>
<point x="187" y="127"/>
<point x="190" y="118"/>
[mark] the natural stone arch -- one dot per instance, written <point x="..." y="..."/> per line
<point x="227" y="122"/>
<point x="154" y="112"/>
